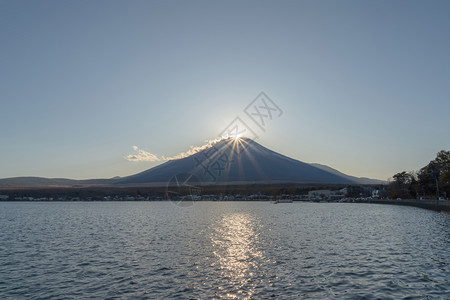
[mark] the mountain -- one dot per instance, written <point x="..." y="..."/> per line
<point x="229" y="161"/>
<point x="242" y="161"/>
<point x="33" y="182"/>
<point x="360" y="180"/>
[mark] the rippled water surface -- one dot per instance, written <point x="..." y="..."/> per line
<point x="154" y="250"/>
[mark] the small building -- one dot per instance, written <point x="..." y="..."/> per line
<point x="378" y="194"/>
<point x="326" y="195"/>
<point x="319" y="194"/>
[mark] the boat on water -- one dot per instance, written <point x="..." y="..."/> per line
<point x="282" y="201"/>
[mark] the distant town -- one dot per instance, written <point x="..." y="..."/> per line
<point x="346" y="194"/>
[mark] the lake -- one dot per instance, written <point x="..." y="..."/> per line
<point x="222" y="250"/>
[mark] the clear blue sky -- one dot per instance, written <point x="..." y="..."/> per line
<point x="364" y="85"/>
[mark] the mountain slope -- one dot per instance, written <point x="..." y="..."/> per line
<point x="360" y="180"/>
<point x="240" y="161"/>
<point x="49" y="182"/>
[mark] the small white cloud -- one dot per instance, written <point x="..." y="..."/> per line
<point x="194" y="149"/>
<point x="141" y="155"/>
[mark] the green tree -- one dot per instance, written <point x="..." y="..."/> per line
<point x="434" y="178"/>
<point x="402" y="178"/>
<point x="404" y="185"/>
<point x="443" y="162"/>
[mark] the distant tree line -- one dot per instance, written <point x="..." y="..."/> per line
<point x="431" y="181"/>
<point x="99" y="193"/>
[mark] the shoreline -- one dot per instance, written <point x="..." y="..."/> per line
<point x="436" y="205"/>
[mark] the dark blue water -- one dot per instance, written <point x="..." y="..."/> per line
<point x="154" y="250"/>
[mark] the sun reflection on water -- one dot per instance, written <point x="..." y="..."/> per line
<point x="235" y="241"/>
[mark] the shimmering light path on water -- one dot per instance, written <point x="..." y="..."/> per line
<point x="228" y="250"/>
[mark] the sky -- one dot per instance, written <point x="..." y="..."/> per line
<point x="98" y="89"/>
